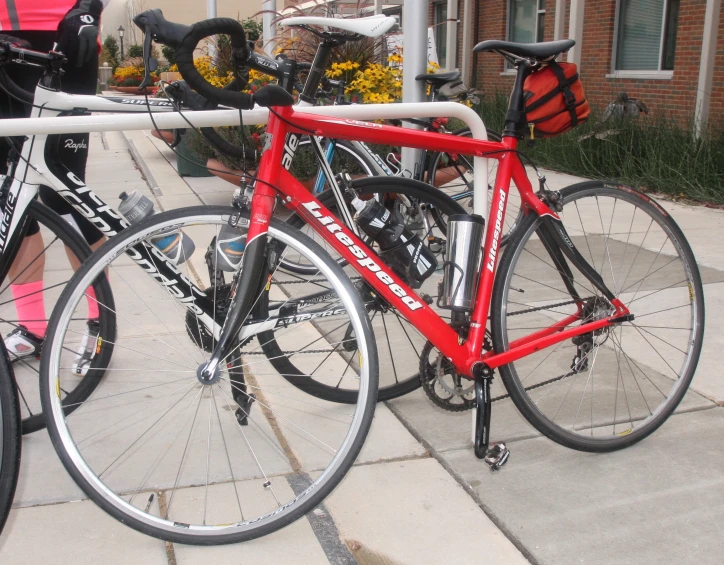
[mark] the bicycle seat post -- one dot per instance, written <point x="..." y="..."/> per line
<point x="515" y="117"/>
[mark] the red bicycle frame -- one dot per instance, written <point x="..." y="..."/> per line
<point x="273" y="177"/>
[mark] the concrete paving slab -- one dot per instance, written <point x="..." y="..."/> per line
<point x="295" y="544"/>
<point x="328" y="421"/>
<point x="77" y="533"/>
<point x="640" y="505"/>
<point x="445" y="430"/>
<point x="43" y="479"/>
<point x="414" y="512"/>
<point x="174" y="201"/>
<point x="709" y="377"/>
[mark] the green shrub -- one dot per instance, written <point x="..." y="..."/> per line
<point x="109" y="52"/>
<point x="135" y="51"/>
<point x="253" y="29"/>
<point x="169" y="53"/>
<point x="651" y="152"/>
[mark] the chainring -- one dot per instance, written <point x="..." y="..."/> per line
<point x="442" y="384"/>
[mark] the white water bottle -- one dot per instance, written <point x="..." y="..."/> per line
<point x="174" y="244"/>
<point x="230" y="246"/>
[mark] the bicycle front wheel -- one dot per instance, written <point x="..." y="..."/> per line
<point x="217" y="461"/>
<point x="607" y="389"/>
<point x="10" y="440"/>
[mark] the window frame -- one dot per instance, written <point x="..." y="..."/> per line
<point x="659" y="74"/>
<point x="538" y="13"/>
<point x="440" y="46"/>
<point x="508" y="69"/>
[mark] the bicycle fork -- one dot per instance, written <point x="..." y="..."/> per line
<point x="249" y="285"/>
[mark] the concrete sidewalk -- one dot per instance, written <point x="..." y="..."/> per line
<point x="427" y="499"/>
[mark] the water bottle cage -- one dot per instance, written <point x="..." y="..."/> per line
<point x="408" y="262"/>
<point x="457" y="288"/>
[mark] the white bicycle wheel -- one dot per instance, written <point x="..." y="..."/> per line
<point x="205" y="462"/>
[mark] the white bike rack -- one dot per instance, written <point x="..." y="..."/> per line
<point x="141" y="120"/>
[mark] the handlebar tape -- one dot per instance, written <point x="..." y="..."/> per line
<point x="185" y="61"/>
<point x="184" y="39"/>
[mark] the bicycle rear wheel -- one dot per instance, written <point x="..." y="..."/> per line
<point x="63" y="249"/>
<point x="211" y="462"/>
<point x="399" y="343"/>
<point x="10" y="440"/>
<point x="607" y="389"/>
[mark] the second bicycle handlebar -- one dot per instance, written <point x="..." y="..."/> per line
<point x="184" y="39"/>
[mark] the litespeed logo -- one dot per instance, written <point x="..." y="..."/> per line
<point x="361" y="256"/>
<point x="290" y="148"/>
<point x="496" y="234"/>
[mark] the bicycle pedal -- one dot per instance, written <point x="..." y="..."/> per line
<point x="497" y="456"/>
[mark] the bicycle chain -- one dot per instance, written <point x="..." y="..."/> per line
<point x="547" y="307"/>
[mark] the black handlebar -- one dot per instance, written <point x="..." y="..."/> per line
<point x="184" y="38"/>
<point x="17" y="51"/>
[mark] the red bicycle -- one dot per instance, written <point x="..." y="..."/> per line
<point x="595" y="312"/>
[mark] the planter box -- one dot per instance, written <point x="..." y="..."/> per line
<point x="186" y="168"/>
<point x="170" y="77"/>
<point x="134" y="89"/>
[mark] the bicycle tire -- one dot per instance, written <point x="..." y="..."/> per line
<point x="10" y="437"/>
<point x="463" y="193"/>
<point x="382" y="186"/>
<point x="600" y="435"/>
<point x="83" y="460"/>
<point x="25" y="376"/>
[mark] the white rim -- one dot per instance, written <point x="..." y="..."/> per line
<point x="166" y="525"/>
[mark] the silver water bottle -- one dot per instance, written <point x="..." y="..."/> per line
<point x="463" y="256"/>
<point x="174" y="244"/>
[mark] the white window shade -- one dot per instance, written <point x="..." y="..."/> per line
<point x="639" y="35"/>
<point x="523" y="16"/>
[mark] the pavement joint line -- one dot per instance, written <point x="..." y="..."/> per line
<point x="104" y="140"/>
<point x="464" y="484"/>
<point x="522" y="438"/>
<point x="143" y="167"/>
<point x="425" y="455"/>
<point x="323" y="526"/>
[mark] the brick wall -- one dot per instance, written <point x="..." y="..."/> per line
<point x="675" y="98"/>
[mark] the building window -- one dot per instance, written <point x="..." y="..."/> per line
<point x="526" y="20"/>
<point x="440" y="30"/>
<point x="647" y="35"/>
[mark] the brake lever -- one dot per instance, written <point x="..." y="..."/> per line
<point x="150" y="64"/>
